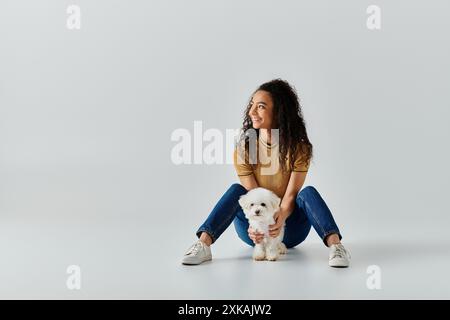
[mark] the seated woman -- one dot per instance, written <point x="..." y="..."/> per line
<point x="274" y="105"/>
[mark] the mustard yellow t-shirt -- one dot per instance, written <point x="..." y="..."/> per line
<point x="267" y="171"/>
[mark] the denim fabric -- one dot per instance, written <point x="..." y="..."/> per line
<point x="310" y="210"/>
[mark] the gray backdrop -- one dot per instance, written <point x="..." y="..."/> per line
<point x="86" y="117"/>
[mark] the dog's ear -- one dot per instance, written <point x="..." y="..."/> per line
<point x="243" y="202"/>
<point x="274" y="201"/>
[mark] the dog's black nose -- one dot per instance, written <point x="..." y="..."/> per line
<point x="257" y="212"/>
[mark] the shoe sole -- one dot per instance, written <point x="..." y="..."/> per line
<point x="194" y="263"/>
<point x="339" y="265"/>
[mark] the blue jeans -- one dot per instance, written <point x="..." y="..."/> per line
<point x="310" y="209"/>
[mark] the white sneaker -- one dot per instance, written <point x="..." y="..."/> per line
<point x="339" y="256"/>
<point x="198" y="253"/>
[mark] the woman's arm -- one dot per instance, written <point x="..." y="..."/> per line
<point x="287" y="205"/>
<point x="248" y="182"/>
<point x="296" y="181"/>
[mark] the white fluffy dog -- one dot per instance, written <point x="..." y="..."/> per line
<point x="259" y="206"/>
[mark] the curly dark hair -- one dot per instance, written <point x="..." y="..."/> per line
<point x="288" y="117"/>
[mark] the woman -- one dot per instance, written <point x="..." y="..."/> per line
<point x="274" y="105"/>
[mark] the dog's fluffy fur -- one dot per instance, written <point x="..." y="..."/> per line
<point x="259" y="206"/>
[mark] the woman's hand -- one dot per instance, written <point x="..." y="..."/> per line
<point x="257" y="237"/>
<point x="275" y="229"/>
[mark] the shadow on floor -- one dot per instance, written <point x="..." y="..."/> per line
<point x="293" y="254"/>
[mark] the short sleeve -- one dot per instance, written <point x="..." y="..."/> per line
<point x="241" y="163"/>
<point x="301" y="164"/>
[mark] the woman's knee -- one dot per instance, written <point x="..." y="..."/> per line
<point x="237" y="187"/>
<point x="308" y="190"/>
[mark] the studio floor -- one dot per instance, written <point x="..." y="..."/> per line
<point x="131" y="260"/>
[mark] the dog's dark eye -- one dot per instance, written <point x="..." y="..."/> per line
<point x="252" y="205"/>
<point x="263" y="204"/>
